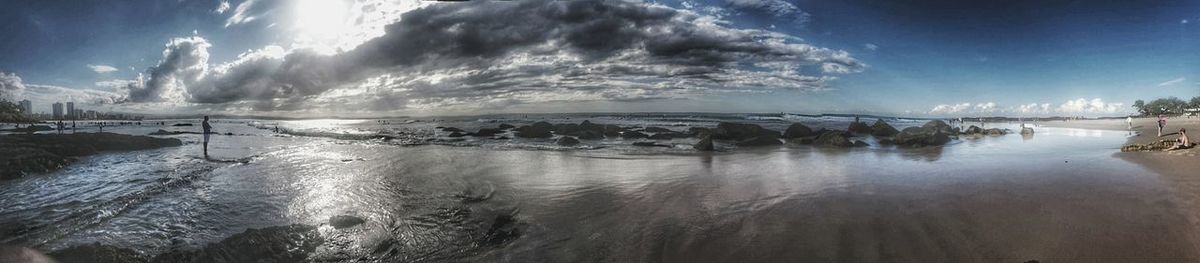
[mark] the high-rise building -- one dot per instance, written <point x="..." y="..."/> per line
<point x="77" y="114"/>
<point x="91" y="114"/>
<point x="27" y="107"/>
<point x="58" y="110"/>
<point x="71" y="110"/>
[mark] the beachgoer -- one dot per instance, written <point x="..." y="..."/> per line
<point x="207" y="131"/>
<point x="1162" y="123"/>
<point x="1183" y="142"/>
<point x="1129" y="122"/>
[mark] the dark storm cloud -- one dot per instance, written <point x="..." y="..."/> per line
<point x="503" y="53"/>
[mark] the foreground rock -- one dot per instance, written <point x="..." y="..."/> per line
<point x="797" y="130"/>
<point x="22" y="154"/>
<point x="931" y="134"/>
<point x="1026" y="131"/>
<point x="837" y="139"/>
<point x="29" y="129"/>
<point x="881" y="128"/>
<point x="1160" y="145"/>
<point x="344" y="221"/>
<point x="859" y="127"/>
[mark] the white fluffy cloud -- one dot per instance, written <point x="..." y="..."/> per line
<point x="1086" y="106"/>
<point x="10" y="84"/>
<point x="1083" y="106"/>
<point x="102" y="68"/>
<point x="456" y="54"/>
<point x="777" y="8"/>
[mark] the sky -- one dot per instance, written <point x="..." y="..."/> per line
<point x="314" y="58"/>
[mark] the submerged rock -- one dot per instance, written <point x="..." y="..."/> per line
<point x="995" y="131"/>
<point x="919" y="136"/>
<point x="705" y="144"/>
<point x="486" y="132"/>
<point x="797" y="130"/>
<point x="344" y="221"/>
<point x="973" y="130"/>
<point x="505" y="126"/>
<point x="95" y="253"/>
<point x="655" y="129"/>
<point x="1026" y="130"/>
<point x="566" y="141"/>
<point x="881" y="128"/>
<point x="456" y="134"/>
<point x="452" y="129"/>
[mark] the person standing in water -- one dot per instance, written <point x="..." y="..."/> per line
<point x="207" y="132"/>
<point x="1129" y="122"/>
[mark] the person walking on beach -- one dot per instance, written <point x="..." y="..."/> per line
<point x="207" y="131"/>
<point x="1129" y="122"/>
<point x="1162" y="123"/>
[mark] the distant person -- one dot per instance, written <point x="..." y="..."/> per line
<point x="207" y="132"/>
<point x="1129" y="122"/>
<point x="1162" y="123"/>
<point x="1183" y="142"/>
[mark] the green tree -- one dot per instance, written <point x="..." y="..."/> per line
<point x="1195" y="103"/>
<point x="1140" y="107"/>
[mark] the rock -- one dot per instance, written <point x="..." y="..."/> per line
<point x="344" y="221"/>
<point x="805" y="140"/>
<point x="590" y="135"/>
<point x="612" y="131"/>
<point x="452" y="129"/>
<point x="741" y="131"/>
<point x="1160" y="145"/>
<point x="486" y="132"/>
<point x="567" y="141"/>
<point x="699" y="131"/>
<point x="940" y="126"/>
<point x="861" y="144"/>
<point x="22" y="154"/>
<point x="505" y="126"/>
<point x="837" y="139"/>
<point x="764" y="140"/>
<point x="182" y="124"/>
<point x="30" y="129"/>
<point x="994" y="132"/>
<point x="664" y="136"/>
<point x="543" y="125"/>
<point x="92" y="253"/>
<point x="919" y="136"/>
<point x="633" y="135"/>
<point x="705" y="144"/>
<point x="797" y="130"/>
<point x="859" y="127"/>
<point x="973" y="130"/>
<point x="655" y="129"/>
<point x="540" y="131"/>
<point x="649" y="144"/>
<point x="456" y="134"/>
<point x="881" y="128"/>
<point x="1026" y="130"/>
<point x="567" y="129"/>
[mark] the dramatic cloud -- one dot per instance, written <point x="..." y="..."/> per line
<point x="1172" y="82"/>
<point x="185" y="60"/>
<point x="102" y="68"/>
<point x="1096" y="105"/>
<point x="476" y="54"/>
<point x="242" y="14"/>
<point x="10" y="83"/>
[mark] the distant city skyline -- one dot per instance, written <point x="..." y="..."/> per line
<point x="311" y="58"/>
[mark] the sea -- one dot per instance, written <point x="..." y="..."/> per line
<point x="402" y="190"/>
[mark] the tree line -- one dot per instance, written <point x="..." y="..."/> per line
<point x="1168" y="105"/>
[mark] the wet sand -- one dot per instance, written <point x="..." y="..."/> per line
<point x="1180" y="169"/>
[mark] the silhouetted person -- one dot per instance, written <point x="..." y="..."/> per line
<point x="207" y="131"/>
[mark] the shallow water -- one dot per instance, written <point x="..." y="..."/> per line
<point x="1056" y="196"/>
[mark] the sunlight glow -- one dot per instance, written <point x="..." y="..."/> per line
<point x="320" y="21"/>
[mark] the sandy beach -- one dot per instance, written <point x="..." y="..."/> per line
<point x="1180" y="169"/>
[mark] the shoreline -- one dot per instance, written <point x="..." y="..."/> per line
<point x="1177" y="169"/>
